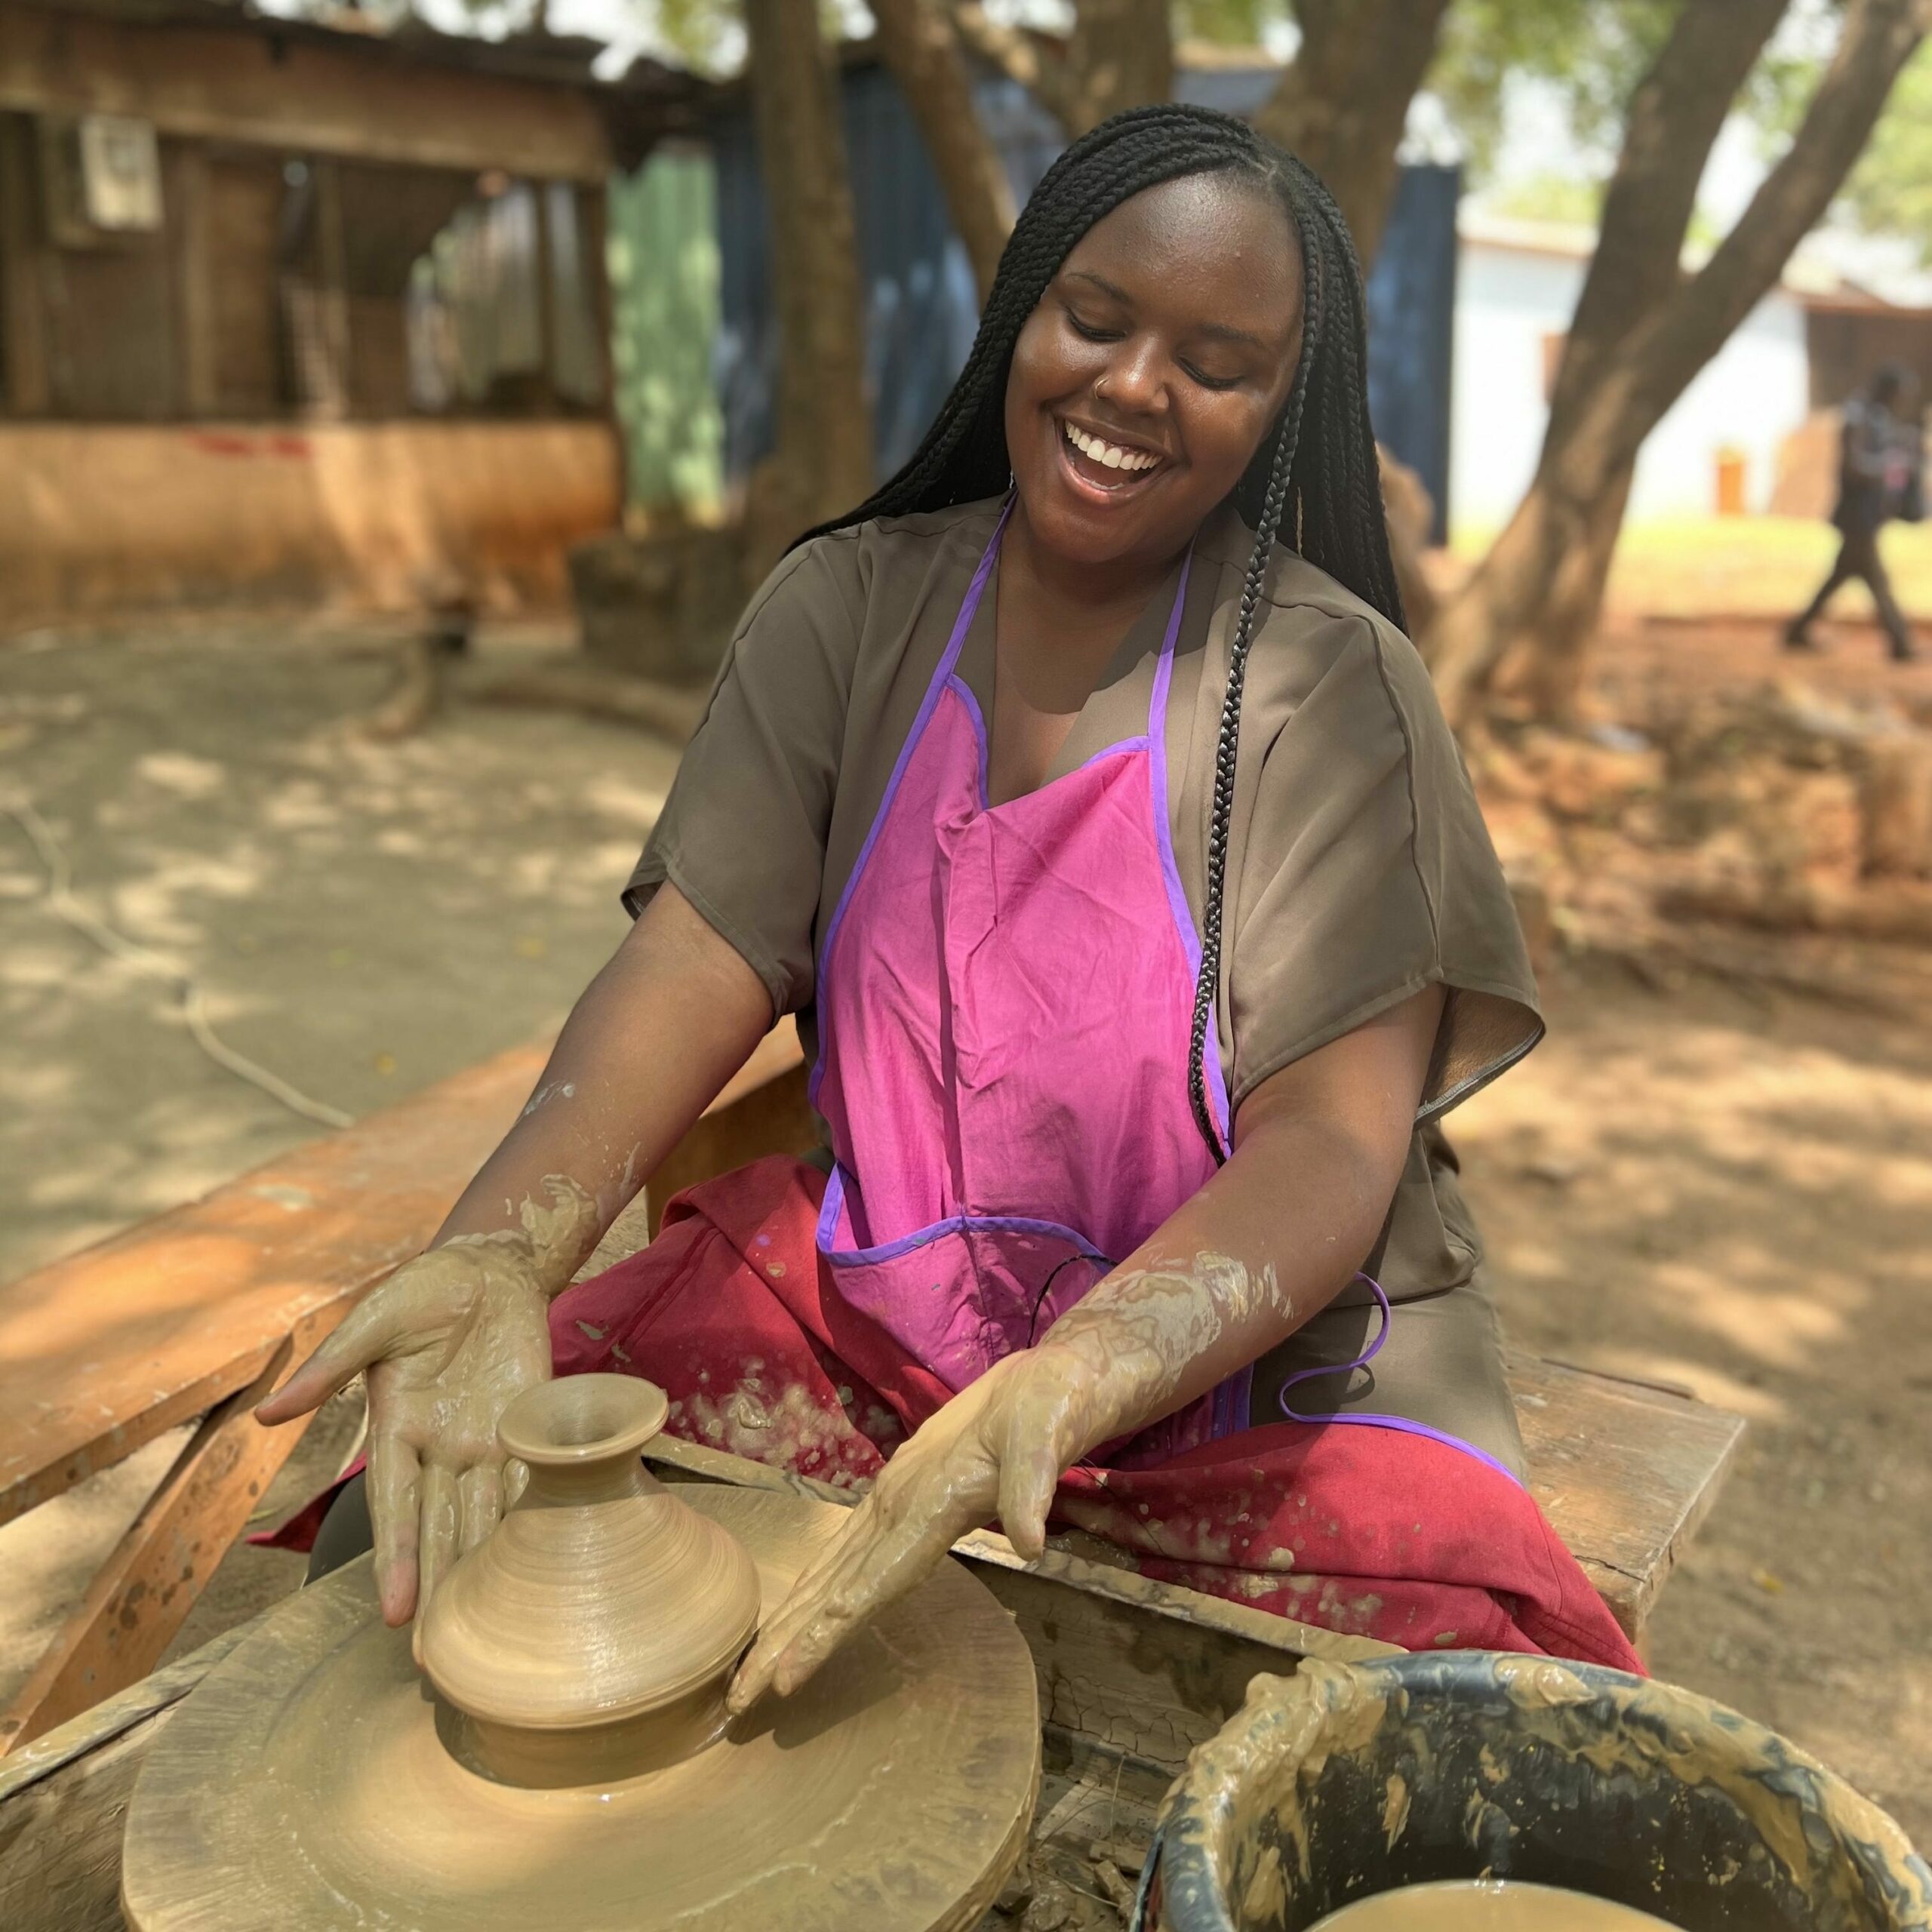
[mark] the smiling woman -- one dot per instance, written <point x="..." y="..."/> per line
<point x="1080" y="795"/>
<point x="1145" y="381"/>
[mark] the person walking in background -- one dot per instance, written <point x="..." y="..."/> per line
<point x="1881" y="462"/>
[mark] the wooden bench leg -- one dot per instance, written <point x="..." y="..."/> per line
<point x="143" y="1593"/>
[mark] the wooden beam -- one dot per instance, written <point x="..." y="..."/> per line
<point x="593" y="213"/>
<point x="1626" y="1471"/>
<point x="286" y="92"/>
<point x="141" y="1595"/>
<point x="23" y="299"/>
<point x="337" y="399"/>
<point x="192" y="240"/>
<point x="107" y="1349"/>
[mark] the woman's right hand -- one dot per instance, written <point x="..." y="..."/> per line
<point x="446" y="1343"/>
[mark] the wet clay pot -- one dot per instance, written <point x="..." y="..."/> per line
<point x="1345" y="1781"/>
<point x="592" y="1636"/>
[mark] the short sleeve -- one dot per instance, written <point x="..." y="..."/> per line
<point x="1366" y="872"/>
<point x="743" y="833"/>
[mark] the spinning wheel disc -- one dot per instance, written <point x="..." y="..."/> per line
<point x="310" y="1782"/>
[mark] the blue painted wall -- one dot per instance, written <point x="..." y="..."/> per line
<point x="922" y="307"/>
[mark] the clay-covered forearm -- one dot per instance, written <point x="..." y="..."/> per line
<point x="1268" y="1243"/>
<point x="668" y="1021"/>
<point x="1264" y="1247"/>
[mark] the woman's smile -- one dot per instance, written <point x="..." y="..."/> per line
<point x="1105" y="469"/>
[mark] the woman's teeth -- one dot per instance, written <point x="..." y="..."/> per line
<point x="1111" y="454"/>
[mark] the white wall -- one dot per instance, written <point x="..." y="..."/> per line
<point x="1750" y="396"/>
<point x="1507" y="299"/>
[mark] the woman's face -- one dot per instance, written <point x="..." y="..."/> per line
<point x="1158" y="359"/>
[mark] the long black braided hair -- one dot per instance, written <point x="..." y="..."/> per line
<point x="1313" y="484"/>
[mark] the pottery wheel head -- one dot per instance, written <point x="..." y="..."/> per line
<point x="307" y="1785"/>
<point x="601" y="1598"/>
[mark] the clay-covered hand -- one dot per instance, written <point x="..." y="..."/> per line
<point x="998" y="1448"/>
<point x="446" y="1343"/>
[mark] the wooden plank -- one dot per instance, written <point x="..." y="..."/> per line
<point x="106" y="1350"/>
<point x="1625" y="1471"/>
<point x="292" y="92"/>
<point x="102" y="1352"/>
<point x="141" y="1596"/>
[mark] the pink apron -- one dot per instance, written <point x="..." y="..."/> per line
<point x="1005" y="998"/>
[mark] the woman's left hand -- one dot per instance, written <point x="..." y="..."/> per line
<point x="998" y="1448"/>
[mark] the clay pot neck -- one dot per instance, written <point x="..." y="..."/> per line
<point x="582" y="1438"/>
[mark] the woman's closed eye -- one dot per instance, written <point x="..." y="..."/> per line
<point x="1093" y="331"/>
<point x="1099" y="332"/>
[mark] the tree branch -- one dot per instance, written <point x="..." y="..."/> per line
<point x="1878" y="37"/>
<point x="1021" y="57"/>
<point x="1120" y="54"/>
<point x="1672" y="121"/>
<point x="920" y="41"/>
<point x="1341" y="105"/>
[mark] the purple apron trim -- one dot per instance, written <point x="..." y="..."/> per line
<point x="960" y="625"/>
<point x="1190" y="940"/>
<point x="1401" y="1423"/>
<point x="963" y="691"/>
<point x="861" y="1257"/>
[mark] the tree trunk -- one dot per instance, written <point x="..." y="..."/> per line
<point x="1551" y="671"/>
<point x="1341" y="106"/>
<point x="823" y="465"/>
<point x="921" y="43"/>
<point x="1025" y="58"/>
<point x="1643" y="331"/>
<point x="1121" y="53"/>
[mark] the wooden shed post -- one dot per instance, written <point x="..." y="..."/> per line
<point x="23" y="309"/>
<point x="332" y="292"/>
<point x="195" y="268"/>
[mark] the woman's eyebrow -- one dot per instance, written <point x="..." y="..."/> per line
<point x="1227" y="332"/>
<point x="1221" y="331"/>
<point x="1100" y="282"/>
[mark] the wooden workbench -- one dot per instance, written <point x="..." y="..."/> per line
<point x="193" y="1314"/>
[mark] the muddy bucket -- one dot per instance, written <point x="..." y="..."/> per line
<point x="1347" y="1780"/>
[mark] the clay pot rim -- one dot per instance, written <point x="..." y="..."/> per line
<point x="626" y="1412"/>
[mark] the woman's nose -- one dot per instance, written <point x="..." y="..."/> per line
<point x="1137" y="379"/>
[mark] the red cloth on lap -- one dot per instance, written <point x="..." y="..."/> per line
<point x="1373" y="1532"/>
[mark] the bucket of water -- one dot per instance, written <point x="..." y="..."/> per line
<point x="1475" y="1774"/>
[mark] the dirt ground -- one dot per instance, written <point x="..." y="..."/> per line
<point x="1709" y="1174"/>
